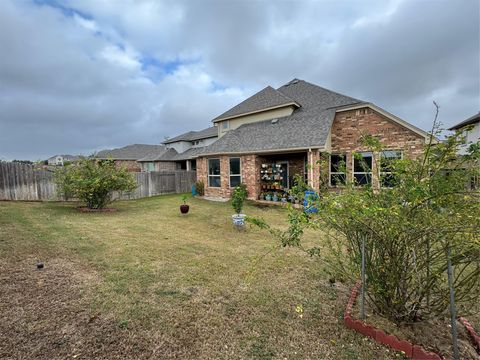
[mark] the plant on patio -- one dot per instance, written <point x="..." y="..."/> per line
<point x="200" y="188"/>
<point x="427" y="219"/>
<point x="93" y="181"/>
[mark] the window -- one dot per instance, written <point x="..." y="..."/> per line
<point x="225" y="125"/>
<point x="235" y="172"/>
<point x="150" y="166"/>
<point x="387" y="160"/>
<point x="338" y="170"/>
<point x="362" y="168"/>
<point x="214" y="172"/>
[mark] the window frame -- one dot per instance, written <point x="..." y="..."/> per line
<point x="381" y="173"/>
<point x="209" y="176"/>
<point x="365" y="173"/>
<point x="230" y="175"/>
<point x="330" y="173"/>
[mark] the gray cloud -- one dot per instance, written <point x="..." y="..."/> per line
<point x="81" y="75"/>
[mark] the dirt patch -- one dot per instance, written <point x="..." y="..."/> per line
<point x="432" y="335"/>
<point x="44" y="315"/>
<point x="85" y="209"/>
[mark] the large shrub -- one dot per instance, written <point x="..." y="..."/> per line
<point x="93" y="181"/>
<point x="408" y="231"/>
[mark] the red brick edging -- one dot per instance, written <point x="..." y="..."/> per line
<point x="471" y="331"/>
<point x="415" y="352"/>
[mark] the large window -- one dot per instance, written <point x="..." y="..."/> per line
<point x="235" y="172"/>
<point x="214" y="172"/>
<point x="387" y="161"/>
<point x="338" y="173"/>
<point x="362" y="168"/>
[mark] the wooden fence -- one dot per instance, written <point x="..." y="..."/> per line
<point x="25" y="182"/>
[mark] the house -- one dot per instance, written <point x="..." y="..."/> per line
<point x="129" y="155"/>
<point x="276" y="134"/>
<point x="470" y="129"/>
<point x="60" y="160"/>
<point x="180" y="152"/>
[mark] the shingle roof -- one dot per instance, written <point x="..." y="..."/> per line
<point x="130" y="152"/>
<point x="195" y="135"/>
<point x="264" y="99"/>
<point x="307" y="127"/>
<point x="159" y="155"/>
<point x="471" y="120"/>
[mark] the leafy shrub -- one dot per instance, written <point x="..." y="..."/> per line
<point x="239" y="196"/>
<point x="200" y="188"/>
<point x="93" y="181"/>
<point x="408" y="230"/>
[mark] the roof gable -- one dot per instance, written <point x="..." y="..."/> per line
<point x="265" y="99"/>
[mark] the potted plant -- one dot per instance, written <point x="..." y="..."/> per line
<point x="184" y="207"/>
<point x="262" y="196"/>
<point x="275" y="196"/>
<point x="238" y="198"/>
<point x="268" y="197"/>
<point x="284" y="199"/>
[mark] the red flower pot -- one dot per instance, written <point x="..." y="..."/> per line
<point x="184" y="208"/>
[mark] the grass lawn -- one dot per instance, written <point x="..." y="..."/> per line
<point x="147" y="282"/>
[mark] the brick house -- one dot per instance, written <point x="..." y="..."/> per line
<point x="276" y="134"/>
<point x="129" y="156"/>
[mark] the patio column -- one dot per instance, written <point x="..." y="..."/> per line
<point x="313" y="156"/>
<point x="189" y="165"/>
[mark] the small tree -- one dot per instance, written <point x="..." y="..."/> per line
<point x="93" y="181"/>
<point x="239" y="196"/>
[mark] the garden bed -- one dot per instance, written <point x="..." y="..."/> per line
<point x="432" y="335"/>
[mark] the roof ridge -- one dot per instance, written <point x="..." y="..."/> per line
<point x="295" y="81"/>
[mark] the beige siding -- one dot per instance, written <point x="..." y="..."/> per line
<point x="265" y="115"/>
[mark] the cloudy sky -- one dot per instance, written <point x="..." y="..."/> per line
<point x="82" y="75"/>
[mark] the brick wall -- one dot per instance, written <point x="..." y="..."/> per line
<point x="131" y="165"/>
<point x="250" y="176"/>
<point x="349" y="126"/>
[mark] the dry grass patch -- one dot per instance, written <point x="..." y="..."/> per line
<point x="147" y="282"/>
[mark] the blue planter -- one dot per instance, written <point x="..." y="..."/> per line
<point x="310" y="197"/>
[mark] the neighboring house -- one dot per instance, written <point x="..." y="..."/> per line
<point x="60" y="160"/>
<point x="180" y="152"/>
<point x="129" y="155"/>
<point x="471" y="130"/>
<point x="278" y="133"/>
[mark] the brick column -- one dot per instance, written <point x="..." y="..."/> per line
<point x="313" y="156"/>
<point x="251" y="175"/>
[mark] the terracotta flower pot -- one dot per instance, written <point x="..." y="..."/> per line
<point x="184" y="208"/>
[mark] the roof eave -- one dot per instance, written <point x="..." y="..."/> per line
<point x="255" y="152"/>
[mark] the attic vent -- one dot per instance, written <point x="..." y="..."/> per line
<point x="274" y="121"/>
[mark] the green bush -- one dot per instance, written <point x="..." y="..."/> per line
<point x="239" y="195"/>
<point x="200" y="188"/>
<point x="408" y="231"/>
<point x="93" y="181"/>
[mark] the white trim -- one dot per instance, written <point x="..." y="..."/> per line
<point x="380" y="172"/>
<point x="219" y="175"/>
<point x="362" y="172"/>
<point x="392" y="117"/>
<point x="293" y="103"/>
<point x="330" y="170"/>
